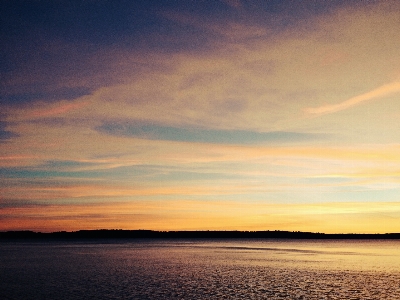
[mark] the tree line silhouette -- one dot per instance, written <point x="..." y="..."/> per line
<point x="151" y="234"/>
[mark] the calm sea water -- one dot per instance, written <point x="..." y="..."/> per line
<point x="202" y="269"/>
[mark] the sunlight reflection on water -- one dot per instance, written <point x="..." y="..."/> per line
<point x="202" y="269"/>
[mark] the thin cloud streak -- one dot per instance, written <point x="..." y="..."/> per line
<point x="157" y="132"/>
<point x="382" y="91"/>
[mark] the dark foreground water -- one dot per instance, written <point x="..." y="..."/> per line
<point x="204" y="269"/>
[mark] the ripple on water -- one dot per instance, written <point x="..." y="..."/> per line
<point x="130" y="272"/>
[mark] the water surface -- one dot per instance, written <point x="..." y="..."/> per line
<point x="200" y="269"/>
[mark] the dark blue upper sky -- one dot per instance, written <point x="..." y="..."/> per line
<point x="54" y="41"/>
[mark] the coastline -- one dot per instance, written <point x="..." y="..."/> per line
<point x="151" y="234"/>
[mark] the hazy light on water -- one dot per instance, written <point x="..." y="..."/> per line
<point x="199" y="269"/>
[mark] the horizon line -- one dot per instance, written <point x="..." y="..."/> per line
<point x="190" y="231"/>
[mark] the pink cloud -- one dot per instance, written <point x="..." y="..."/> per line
<point x="59" y="108"/>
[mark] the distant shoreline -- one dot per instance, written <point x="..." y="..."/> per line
<point x="151" y="234"/>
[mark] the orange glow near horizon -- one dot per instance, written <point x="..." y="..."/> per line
<point x="191" y="215"/>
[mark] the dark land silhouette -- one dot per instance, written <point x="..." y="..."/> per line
<point x="150" y="234"/>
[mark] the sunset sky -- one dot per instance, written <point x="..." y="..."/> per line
<point x="200" y="115"/>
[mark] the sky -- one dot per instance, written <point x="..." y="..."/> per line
<point x="200" y="115"/>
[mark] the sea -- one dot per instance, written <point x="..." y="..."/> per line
<point x="200" y="269"/>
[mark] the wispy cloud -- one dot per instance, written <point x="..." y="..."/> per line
<point x="158" y="132"/>
<point x="57" y="109"/>
<point x="48" y="96"/>
<point x="379" y="92"/>
<point x="4" y="133"/>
